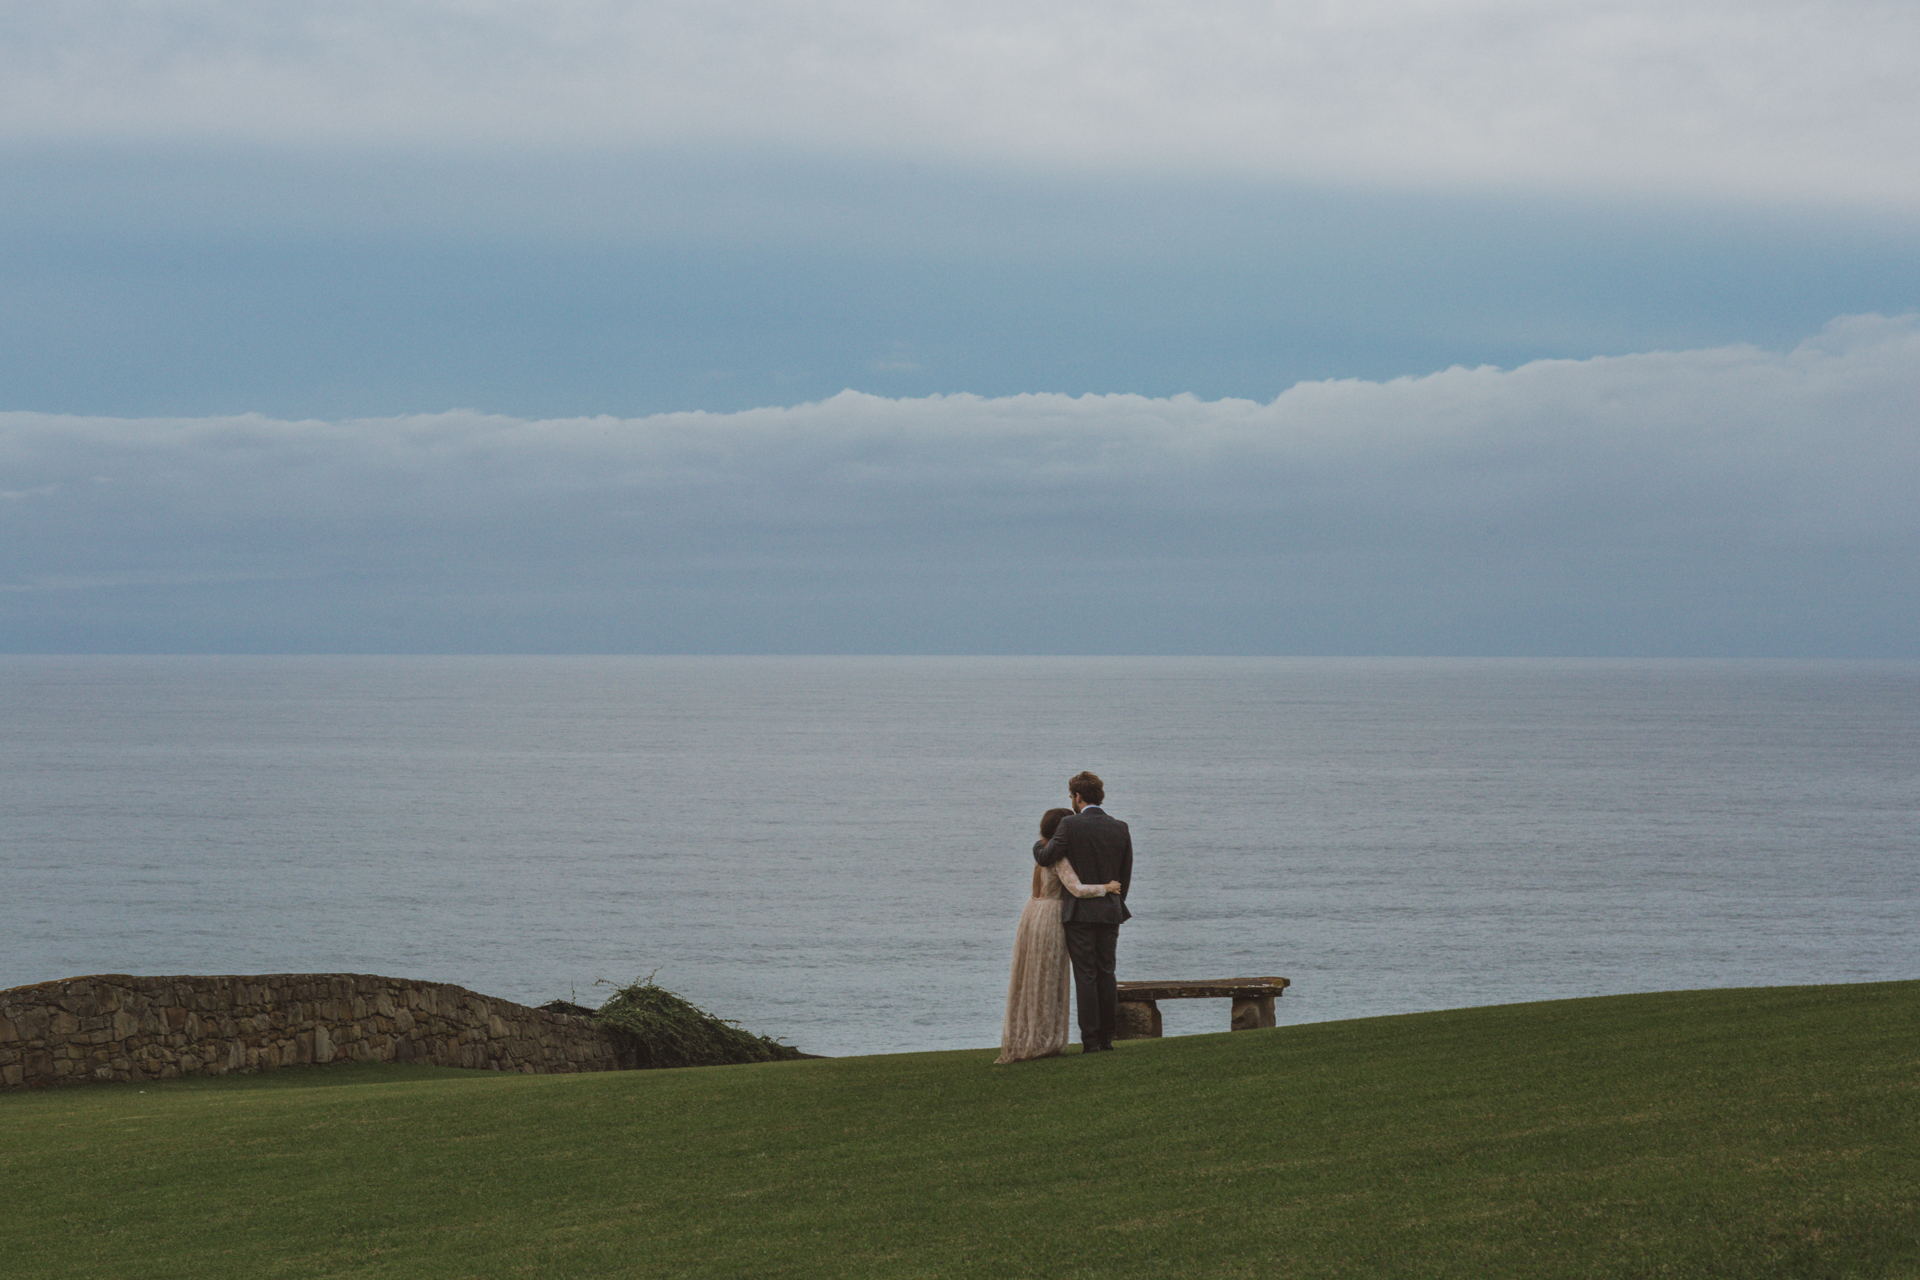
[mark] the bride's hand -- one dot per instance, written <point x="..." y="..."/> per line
<point x="1113" y="886"/>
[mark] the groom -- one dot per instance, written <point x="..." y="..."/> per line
<point x="1100" y="850"/>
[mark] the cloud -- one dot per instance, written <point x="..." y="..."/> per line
<point x="1718" y="500"/>
<point x="1771" y="99"/>
<point x="1701" y="432"/>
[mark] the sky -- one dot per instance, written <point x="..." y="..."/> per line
<point x="1449" y="327"/>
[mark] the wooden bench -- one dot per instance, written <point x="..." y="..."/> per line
<point x="1252" y="1002"/>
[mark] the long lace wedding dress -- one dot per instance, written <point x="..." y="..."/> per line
<point x="1040" y="992"/>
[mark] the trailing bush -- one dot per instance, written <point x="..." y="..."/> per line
<point x="656" y="1028"/>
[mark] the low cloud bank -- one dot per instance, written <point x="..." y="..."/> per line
<point x="1731" y="500"/>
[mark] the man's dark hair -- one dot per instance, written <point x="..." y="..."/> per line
<point x="1050" y="822"/>
<point x="1088" y="787"/>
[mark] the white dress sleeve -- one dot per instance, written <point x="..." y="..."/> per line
<point x="1072" y="881"/>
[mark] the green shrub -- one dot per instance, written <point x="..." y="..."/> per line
<point x="653" y="1027"/>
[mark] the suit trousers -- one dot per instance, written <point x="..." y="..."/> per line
<point x="1096" y="995"/>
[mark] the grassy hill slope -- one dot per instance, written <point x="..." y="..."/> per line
<point x="1743" y="1133"/>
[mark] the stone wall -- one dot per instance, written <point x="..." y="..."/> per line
<point x="114" y="1027"/>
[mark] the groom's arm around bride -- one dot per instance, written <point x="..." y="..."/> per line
<point x="1100" y="849"/>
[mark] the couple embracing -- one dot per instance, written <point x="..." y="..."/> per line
<point x="1069" y="929"/>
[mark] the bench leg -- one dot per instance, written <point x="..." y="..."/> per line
<point x="1139" y="1020"/>
<point x="1249" y="1015"/>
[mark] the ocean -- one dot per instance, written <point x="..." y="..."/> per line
<point x="834" y="850"/>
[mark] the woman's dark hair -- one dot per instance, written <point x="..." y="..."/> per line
<point x="1088" y="787"/>
<point x="1050" y="822"/>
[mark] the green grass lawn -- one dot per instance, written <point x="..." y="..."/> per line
<point x="1714" y="1133"/>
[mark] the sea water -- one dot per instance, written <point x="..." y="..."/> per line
<point x="835" y="850"/>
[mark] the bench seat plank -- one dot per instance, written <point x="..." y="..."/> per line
<point x="1205" y="989"/>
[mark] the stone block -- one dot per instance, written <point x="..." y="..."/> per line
<point x="1138" y="1020"/>
<point x="63" y="1024"/>
<point x="1249" y="1015"/>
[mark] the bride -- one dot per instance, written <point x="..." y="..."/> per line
<point x="1039" y="994"/>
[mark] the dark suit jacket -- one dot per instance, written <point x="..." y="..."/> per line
<point x="1100" y="849"/>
